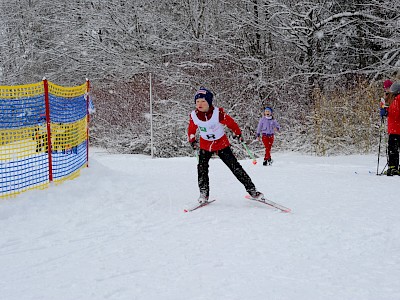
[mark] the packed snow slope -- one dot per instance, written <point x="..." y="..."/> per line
<point x="119" y="232"/>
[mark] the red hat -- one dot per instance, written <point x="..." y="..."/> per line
<point x="387" y="84"/>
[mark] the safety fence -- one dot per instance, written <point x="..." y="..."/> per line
<point x="44" y="135"/>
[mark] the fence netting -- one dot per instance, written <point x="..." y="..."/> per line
<point x="44" y="135"/>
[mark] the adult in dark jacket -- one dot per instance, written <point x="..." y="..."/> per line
<point x="393" y="121"/>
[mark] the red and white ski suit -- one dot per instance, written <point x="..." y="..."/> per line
<point x="224" y="119"/>
<point x="215" y="140"/>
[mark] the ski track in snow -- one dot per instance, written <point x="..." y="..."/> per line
<point x="119" y="232"/>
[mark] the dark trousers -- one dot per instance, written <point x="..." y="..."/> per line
<point x="230" y="160"/>
<point x="393" y="149"/>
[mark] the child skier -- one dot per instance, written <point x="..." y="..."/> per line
<point x="267" y="126"/>
<point x="384" y="102"/>
<point x="211" y="121"/>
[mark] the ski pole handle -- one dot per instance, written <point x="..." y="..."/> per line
<point x="249" y="153"/>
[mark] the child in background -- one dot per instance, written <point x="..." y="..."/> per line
<point x="267" y="126"/>
<point x="384" y="103"/>
<point x="210" y="121"/>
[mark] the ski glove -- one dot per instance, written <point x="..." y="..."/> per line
<point x="194" y="145"/>
<point x="240" y="138"/>
<point x="383" y="112"/>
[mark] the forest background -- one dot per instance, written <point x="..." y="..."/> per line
<point x="319" y="64"/>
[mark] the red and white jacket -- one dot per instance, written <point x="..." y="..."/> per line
<point x="211" y="142"/>
<point x="393" y="118"/>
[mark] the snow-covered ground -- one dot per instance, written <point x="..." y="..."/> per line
<point x="119" y="232"/>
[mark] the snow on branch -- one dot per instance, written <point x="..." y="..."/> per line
<point x="347" y="15"/>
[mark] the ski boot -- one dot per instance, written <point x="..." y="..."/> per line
<point x="202" y="199"/>
<point x="258" y="196"/>
<point x="392" y="171"/>
<point x="267" y="162"/>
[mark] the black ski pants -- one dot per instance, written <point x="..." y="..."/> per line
<point x="230" y="160"/>
<point x="393" y="149"/>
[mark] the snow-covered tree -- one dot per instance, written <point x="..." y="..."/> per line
<point x="251" y="53"/>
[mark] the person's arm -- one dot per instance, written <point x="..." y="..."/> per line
<point x="277" y="126"/>
<point x="259" y="127"/>
<point x="192" y="128"/>
<point x="229" y="122"/>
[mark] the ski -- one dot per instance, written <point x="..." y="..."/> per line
<point x="270" y="203"/>
<point x="198" y="206"/>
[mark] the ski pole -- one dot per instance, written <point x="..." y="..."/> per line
<point x="249" y="153"/>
